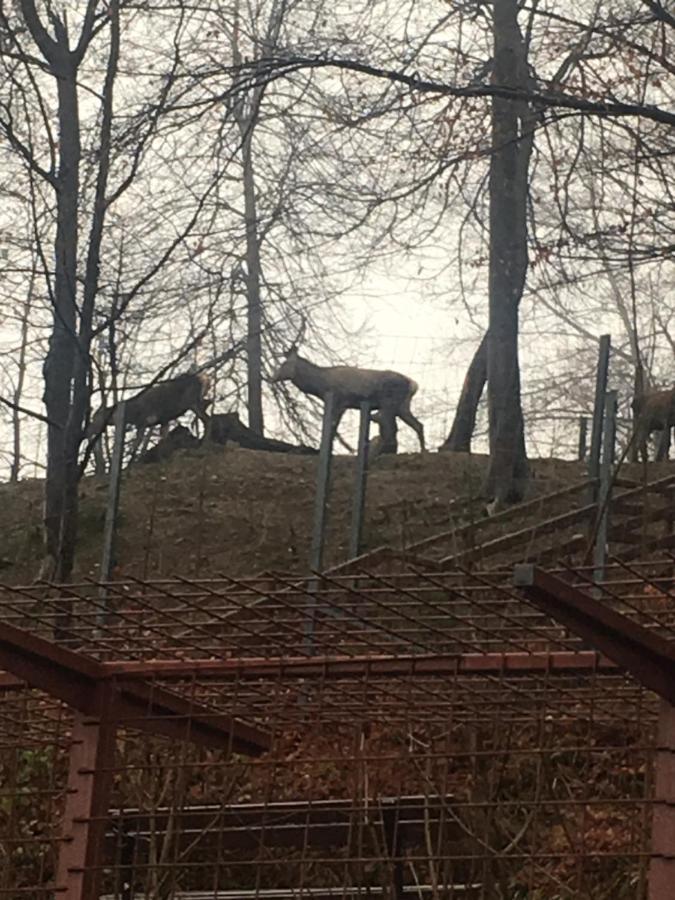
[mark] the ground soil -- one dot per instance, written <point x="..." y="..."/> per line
<point x="240" y="512"/>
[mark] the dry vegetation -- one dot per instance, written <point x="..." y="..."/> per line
<point x="242" y="511"/>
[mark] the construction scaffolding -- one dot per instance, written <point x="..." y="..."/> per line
<point x="447" y="734"/>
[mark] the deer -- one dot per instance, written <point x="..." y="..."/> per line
<point x="388" y="392"/>
<point x="653" y="411"/>
<point x="156" y="405"/>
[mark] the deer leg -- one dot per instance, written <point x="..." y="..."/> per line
<point x="338" y="413"/>
<point x="140" y="433"/>
<point x="97" y="450"/>
<point x="202" y="415"/>
<point x="406" y="416"/>
<point x="387" y="421"/>
<point x="664" y="445"/>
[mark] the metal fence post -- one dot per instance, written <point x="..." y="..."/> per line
<point x="320" y="505"/>
<point x="583" y="437"/>
<point x="662" y="863"/>
<point x="606" y="473"/>
<point x="112" y="508"/>
<point x="360" y="482"/>
<point x="598" y="407"/>
<point x="81" y="851"/>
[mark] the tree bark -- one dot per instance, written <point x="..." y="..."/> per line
<point x="67" y="364"/>
<point x="20" y="381"/>
<point x="254" y="310"/>
<point x="512" y="125"/>
<point x="81" y="369"/>
<point x="459" y="439"/>
<point x="58" y="365"/>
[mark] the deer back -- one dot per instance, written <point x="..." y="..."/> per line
<point x="167" y="401"/>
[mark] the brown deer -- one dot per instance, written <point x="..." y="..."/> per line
<point x="156" y="405"/>
<point x="388" y="392"/>
<point x="653" y="411"/>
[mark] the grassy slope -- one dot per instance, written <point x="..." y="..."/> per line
<point x="240" y="511"/>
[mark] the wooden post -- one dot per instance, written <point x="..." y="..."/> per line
<point x="662" y="863"/>
<point x="606" y="474"/>
<point x="598" y="407"/>
<point x="112" y="508"/>
<point x="92" y="755"/>
<point x="360" y="482"/>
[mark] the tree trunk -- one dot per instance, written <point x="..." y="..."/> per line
<point x="66" y="366"/>
<point x="80" y="372"/>
<point x="20" y="381"/>
<point x="512" y="125"/>
<point x="58" y="366"/>
<point x="254" y="311"/>
<point x="459" y="439"/>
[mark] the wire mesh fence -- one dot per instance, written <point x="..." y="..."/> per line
<point x="394" y="732"/>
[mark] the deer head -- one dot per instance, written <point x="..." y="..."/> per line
<point x="286" y="370"/>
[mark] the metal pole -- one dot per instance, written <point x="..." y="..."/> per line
<point x="583" y="437"/>
<point x="110" y="527"/>
<point x="598" y="407"/>
<point x="360" y="482"/>
<point x="322" y="484"/>
<point x="662" y="864"/>
<point x="322" y="488"/>
<point x="608" y="441"/>
<point x="82" y="848"/>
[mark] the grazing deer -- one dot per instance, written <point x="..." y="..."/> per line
<point x="653" y="411"/>
<point x="388" y="392"/>
<point x="156" y="405"/>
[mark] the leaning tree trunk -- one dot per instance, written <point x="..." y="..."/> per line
<point x="459" y="439"/>
<point x="512" y="124"/>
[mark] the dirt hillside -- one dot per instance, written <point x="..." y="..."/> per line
<point x="239" y="511"/>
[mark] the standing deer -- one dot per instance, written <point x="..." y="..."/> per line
<point x="653" y="411"/>
<point x="388" y="392"/>
<point x="156" y="405"/>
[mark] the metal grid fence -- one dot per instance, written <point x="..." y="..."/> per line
<point x="408" y="733"/>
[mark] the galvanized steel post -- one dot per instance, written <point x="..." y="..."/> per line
<point x="606" y="475"/>
<point x="112" y="508"/>
<point x="583" y="437"/>
<point x="320" y="507"/>
<point x="360" y="482"/>
<point x="598" y="407"/>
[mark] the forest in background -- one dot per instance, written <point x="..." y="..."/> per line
<point x="186" y="180"/>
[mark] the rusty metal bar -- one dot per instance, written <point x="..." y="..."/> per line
<point x="559" y="662"/>
<point x="662" y="865"/>
<point x="74" y="679"/>
<point x="647" y="656"/>
<point x="360" y="482"/>
<point x="79" y="867"/>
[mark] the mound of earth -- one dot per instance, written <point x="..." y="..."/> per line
<point x="238" y="512"/>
